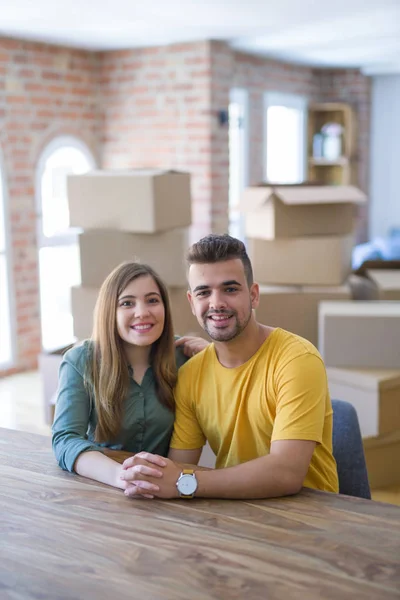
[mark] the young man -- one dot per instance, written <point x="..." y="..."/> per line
<point x="259" y="395"/>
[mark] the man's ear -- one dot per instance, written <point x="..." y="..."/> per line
<point x="190" y="298"/>
<point x="255" y="295"/>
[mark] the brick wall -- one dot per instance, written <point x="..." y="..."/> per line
<point x="45" y="91"/>
<point x="138" y="108"/>
<point x="156" y="112"/>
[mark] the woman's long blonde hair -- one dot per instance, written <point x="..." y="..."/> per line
<point x="107" y="376"/>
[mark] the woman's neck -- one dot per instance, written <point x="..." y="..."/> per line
<point x="138" y="356"/>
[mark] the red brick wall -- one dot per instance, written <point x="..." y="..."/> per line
<point x="135" y="108"/>
<point x="45" y="91"/>
<point x="156" y="112"/>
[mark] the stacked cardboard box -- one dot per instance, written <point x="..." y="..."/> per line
<point x="130" y="215"/>
<point x="360" y="344"/>
<point x="387" y="282"/>
<point x="300" y="235"/>
<point x="49" y="364"/>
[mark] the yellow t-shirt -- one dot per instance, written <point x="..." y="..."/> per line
<point x="280" y="393"/>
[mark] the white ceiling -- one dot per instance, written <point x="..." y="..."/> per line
<point x="339" y="33"/>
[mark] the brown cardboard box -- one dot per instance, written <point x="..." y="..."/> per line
<point x="49" y="363"/>
<point x="185" y="323"/>
<point x="382" y="455"/>
<point x="101" y="251"/>
<point x="295" y="308"/>
<point x="387" y="283"/>
<point x="360" y="334"/>
<point x="301" y="261"/>
<point x="274" y="212"/>
<point x="83" y="300"/>
<point x="140" y="201"/>
<point x="374" y="393"/>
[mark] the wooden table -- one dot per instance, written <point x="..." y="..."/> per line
<point x="64" y="537"/>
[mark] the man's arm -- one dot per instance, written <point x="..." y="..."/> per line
<point x="280" y="473"/>
<point x="190" y="457"/>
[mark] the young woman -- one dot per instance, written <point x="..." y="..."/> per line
<point x="116" y="389"/>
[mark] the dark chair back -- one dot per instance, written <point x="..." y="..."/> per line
<point x="348" y="451"/>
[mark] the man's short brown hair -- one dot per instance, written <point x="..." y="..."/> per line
<point x="216" y="248"/>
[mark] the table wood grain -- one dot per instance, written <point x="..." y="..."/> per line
<point x="63" y="537"/>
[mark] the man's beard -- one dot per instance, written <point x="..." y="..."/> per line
<point x="228" y="334"/>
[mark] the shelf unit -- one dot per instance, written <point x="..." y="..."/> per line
<point x="341" y="171"/>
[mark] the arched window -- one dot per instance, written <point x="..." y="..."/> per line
<point x="6" y="328"/>
<point x="59" y="264"/>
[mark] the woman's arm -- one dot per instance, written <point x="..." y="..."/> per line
<point x="95" y="465"/>
<point x="99" y="467"/>
<point x="73" y="450"/>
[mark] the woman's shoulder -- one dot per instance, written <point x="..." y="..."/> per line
<point x="79" y="355"/>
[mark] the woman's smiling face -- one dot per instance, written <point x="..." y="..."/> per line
<point x="140" y="312"/>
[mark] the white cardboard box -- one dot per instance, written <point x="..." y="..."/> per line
<point x="374" y="393"/>
<point x="140" y="201"/>
<point x="287" y="211"/>
<point x="101" y="251"/>
<point x="360" y="334"/>
<point x="301" y="261"/>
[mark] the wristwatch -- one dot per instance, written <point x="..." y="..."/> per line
<point x="187" y="483"/>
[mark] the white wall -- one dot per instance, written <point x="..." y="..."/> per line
<point x="385" y="155"/>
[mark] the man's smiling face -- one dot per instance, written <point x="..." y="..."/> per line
<point x="221" y="299"/>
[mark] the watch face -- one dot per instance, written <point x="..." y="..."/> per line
<point x="187" y="485"/>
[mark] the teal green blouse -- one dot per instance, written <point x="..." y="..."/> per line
<point x="147" y="424"/>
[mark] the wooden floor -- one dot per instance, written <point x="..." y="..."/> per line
<point x="21" y="407"/>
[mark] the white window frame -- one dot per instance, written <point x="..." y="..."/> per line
<point x="55" y="144"/>
<point x="298" y="102"/>
<point x="241" y="96"/>
<point x="70" y="237"/>
<point x="9" y="270"/>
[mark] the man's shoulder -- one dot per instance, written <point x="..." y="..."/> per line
<point x="286" y="346"/>
<point x="198" y="362"/>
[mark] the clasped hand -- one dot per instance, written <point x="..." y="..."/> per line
<point x="149" y="475"/>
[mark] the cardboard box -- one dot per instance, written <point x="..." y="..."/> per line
<point x="301" y="261"/>
<point x="288" y="211"/>
<point x="102" y="251"/>
<point x="83" y="301"/>
<point x="360" y="334"/>
<point x="387" y="282"/>
<point x="374" y="393"/>
<point x="295" y="308"/>
<point x="140" y="201"/>
<point x="382" y="455"/>
<point x="185" y="323"/>
<point x="49" y="364"/>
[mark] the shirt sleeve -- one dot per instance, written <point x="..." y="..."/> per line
<point x="69" y="431"/>
<point x="301" y="397"/>
<point x="187" y="434"/>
